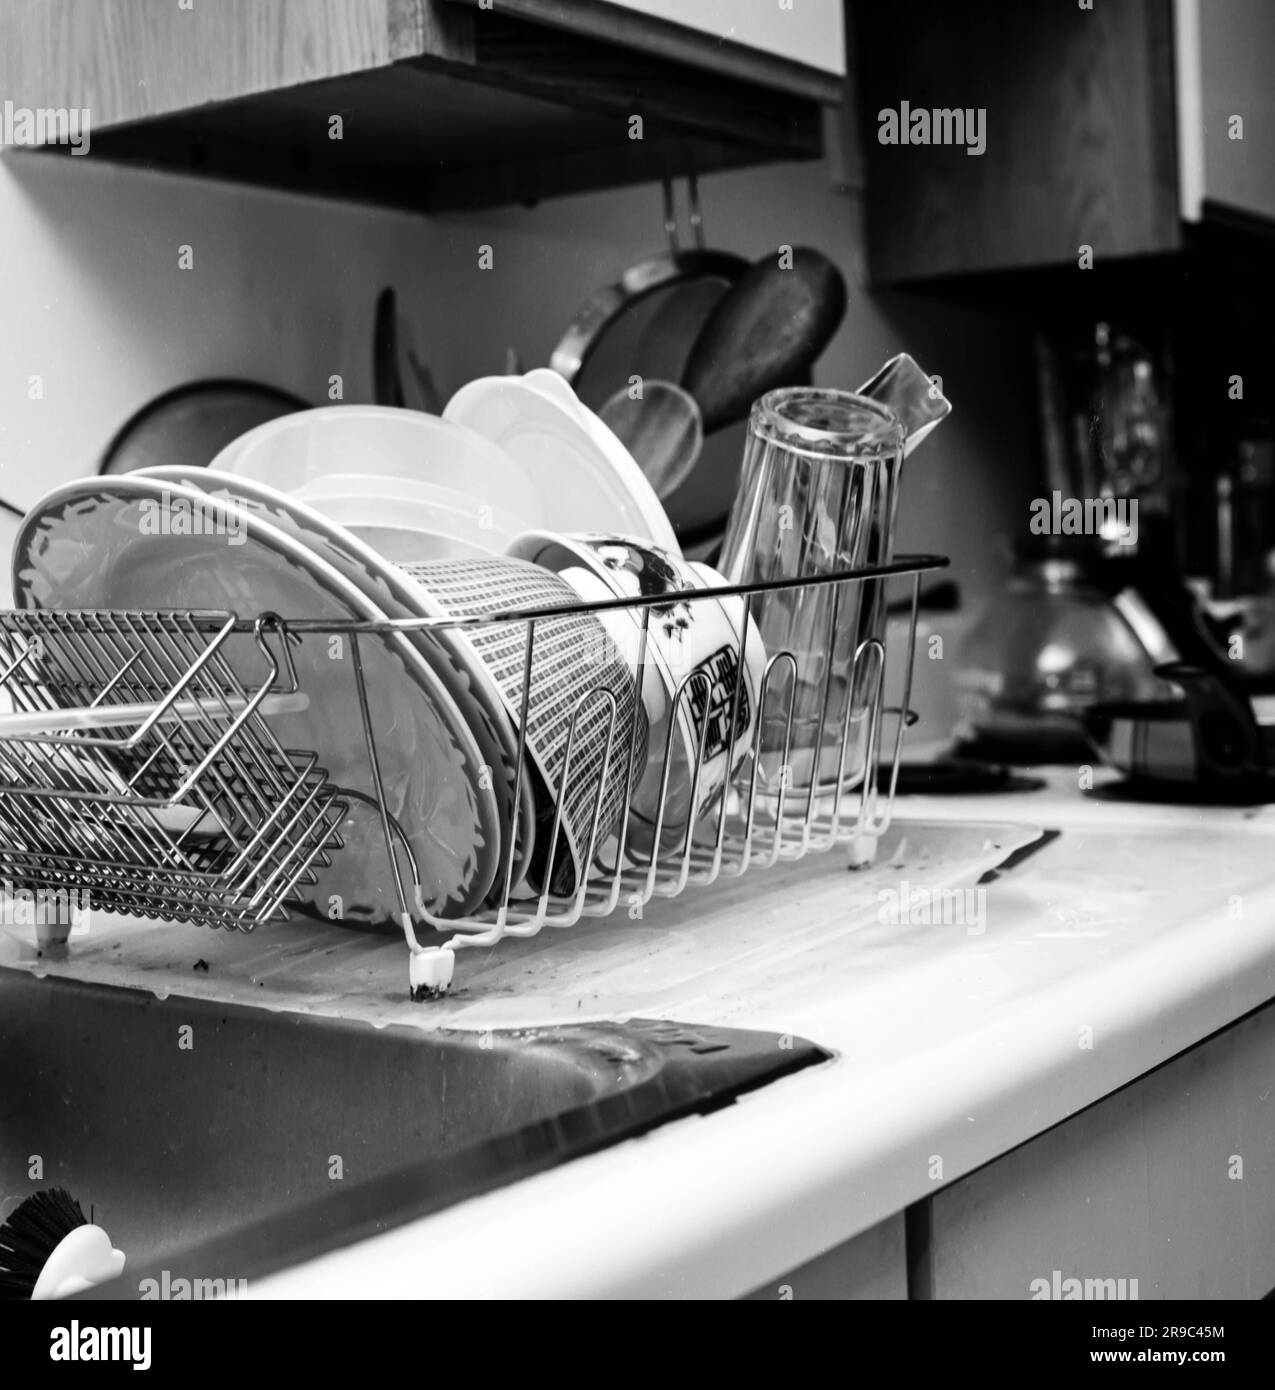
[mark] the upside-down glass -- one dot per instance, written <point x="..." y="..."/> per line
<point x="818" y="495"/>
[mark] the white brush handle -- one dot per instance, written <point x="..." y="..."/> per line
<point x="25" y="723"/>
<point x="81" y="1259"/>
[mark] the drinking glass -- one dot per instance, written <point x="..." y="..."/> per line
<point x="818" y="496"/>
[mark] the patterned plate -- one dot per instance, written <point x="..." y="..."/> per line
<point x="119" y="543"/>
<point x="692" y="643"/>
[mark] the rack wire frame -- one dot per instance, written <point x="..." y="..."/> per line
<point x="741" y="829"/>
<point x="198" y="814"/>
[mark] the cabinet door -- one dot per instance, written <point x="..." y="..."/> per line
<point x="871" y="1266"/>
<point x="1075" y="111"/>
<point x="1224" y="58"/>
<point x="1169" y="1182"/>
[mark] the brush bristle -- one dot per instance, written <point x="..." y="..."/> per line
<point x="30" y="1236"/>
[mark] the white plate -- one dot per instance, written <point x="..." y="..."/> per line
<point x="453" y="659"/>
<point x="85" y="546"/>
<point x="588" y="479"/>
<point x="382" y="440"/>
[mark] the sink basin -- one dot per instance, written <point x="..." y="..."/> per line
<point x="218" y="1140"/>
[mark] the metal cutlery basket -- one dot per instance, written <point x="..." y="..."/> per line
<point x="147" y="777"/>
<point x="165" y="794"/>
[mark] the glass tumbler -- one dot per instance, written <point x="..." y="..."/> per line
<point x="818" y="496"/>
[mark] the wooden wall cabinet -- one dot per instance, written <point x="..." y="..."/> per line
<point x="1105" y="127"/>
<point x="439" y="104"/>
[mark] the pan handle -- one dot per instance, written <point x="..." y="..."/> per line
<point x="1227" y="741"/>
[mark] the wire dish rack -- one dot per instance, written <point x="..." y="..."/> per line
<point x="139" y="768"/>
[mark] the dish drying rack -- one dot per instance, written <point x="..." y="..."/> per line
<point x="139" y="770"/>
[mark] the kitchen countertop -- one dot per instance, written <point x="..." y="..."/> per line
<point x="1135" y="933"/>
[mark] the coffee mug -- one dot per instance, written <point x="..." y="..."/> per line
<point x="690" y="668"/>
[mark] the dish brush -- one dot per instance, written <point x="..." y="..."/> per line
<point x="49" y="1249"/>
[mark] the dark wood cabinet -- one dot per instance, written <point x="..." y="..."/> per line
<point x="1108" y="128"/>
<point x="1079" y="135"/>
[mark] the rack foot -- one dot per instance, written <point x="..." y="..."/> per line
<point x="430" y="972"/>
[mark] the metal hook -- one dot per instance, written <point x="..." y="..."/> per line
<point x="670" y="215"/>
<point x="695" y="215"/>
<point x="272" y="624"/>
<point x="697" y="218"/>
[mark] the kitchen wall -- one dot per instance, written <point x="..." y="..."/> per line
<point x="282" y="290"/>
<point x="93" y="301"/>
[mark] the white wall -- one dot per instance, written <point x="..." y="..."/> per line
<point x="807" y="31"/>
<point x="1223" y="71"/>
<point x="92" y="300"/>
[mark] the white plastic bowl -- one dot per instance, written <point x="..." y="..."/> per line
<point x="382" y="441"/>
<point x="355" y="500"/>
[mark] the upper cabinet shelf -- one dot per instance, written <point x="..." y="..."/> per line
<point x="1108" y="127"/>
<point x="439" y="104"/>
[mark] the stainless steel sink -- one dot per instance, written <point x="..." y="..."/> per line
<point x="222" y="1141"/>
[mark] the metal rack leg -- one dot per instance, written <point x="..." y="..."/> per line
<point x="430" y="968"/>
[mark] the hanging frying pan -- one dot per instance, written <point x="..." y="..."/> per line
<point x="658" y="306"/>
<point x="191" y="424"/>
<point x="646" y="324"/>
